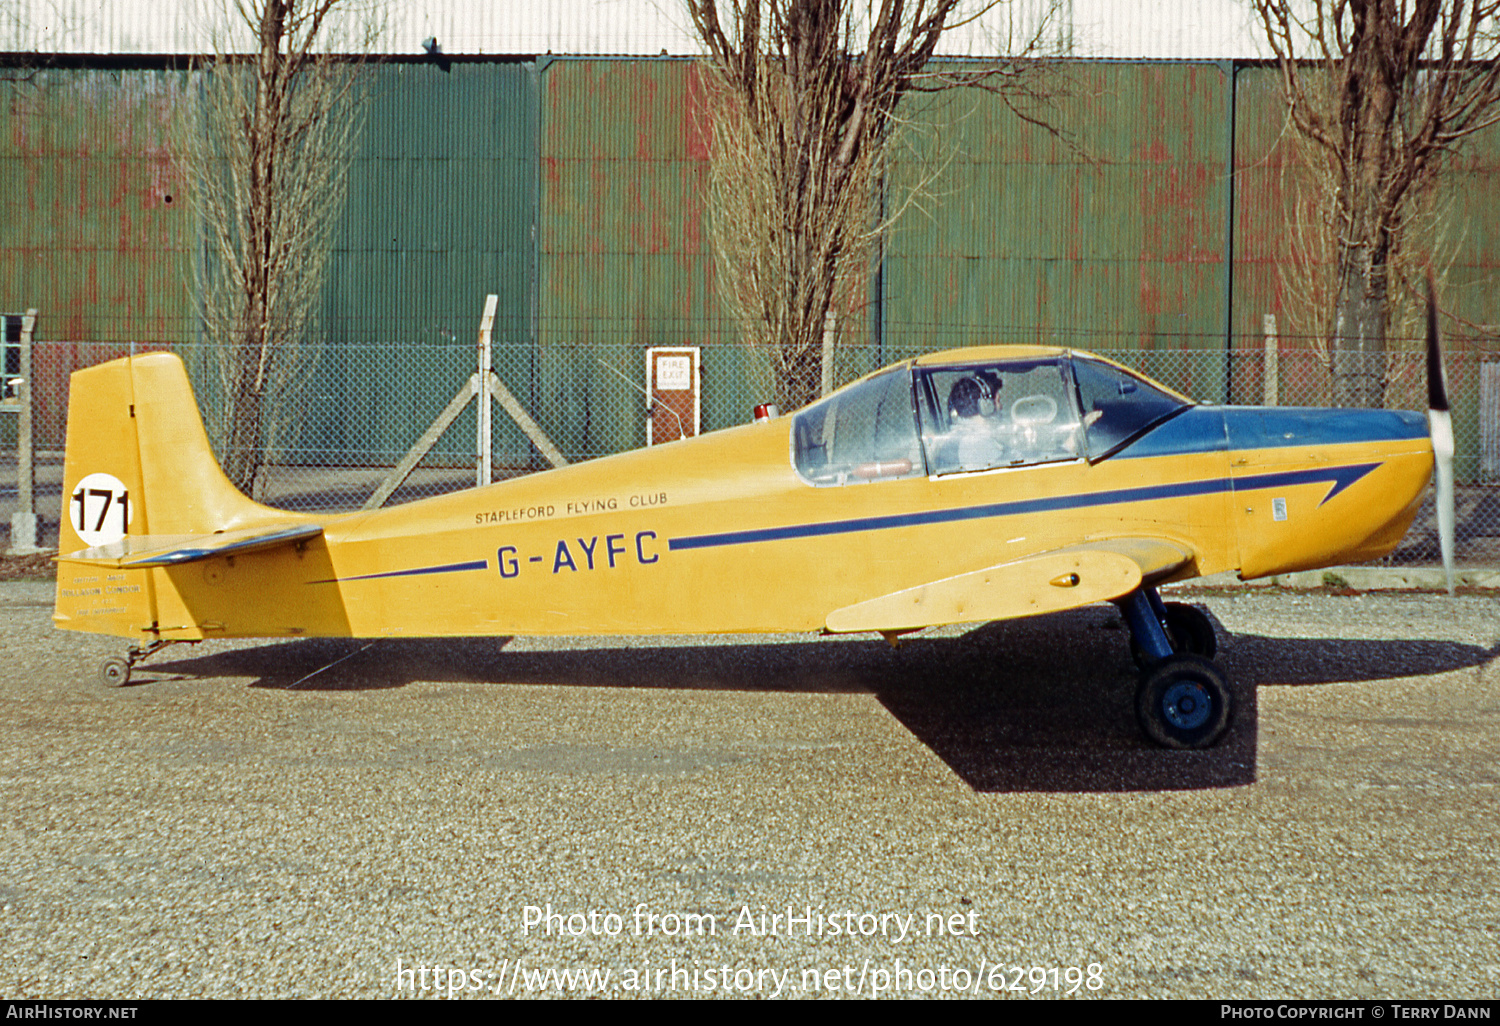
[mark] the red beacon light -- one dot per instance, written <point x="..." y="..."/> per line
<point x="765" y="412"/>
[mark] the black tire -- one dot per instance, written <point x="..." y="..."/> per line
<point x="1184" y="702"/>
<point x="1189" y="632"/>
<point x="114" y="673"/>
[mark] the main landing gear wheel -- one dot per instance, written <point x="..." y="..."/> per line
<point x="1184" y="702"/>
<point x="1189" y="630"/>
<point x="114" y="673"/>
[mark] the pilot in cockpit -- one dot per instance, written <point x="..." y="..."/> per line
<point x="972" y="443"/>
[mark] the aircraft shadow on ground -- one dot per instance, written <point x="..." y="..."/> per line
<point x="1041" y="704"/>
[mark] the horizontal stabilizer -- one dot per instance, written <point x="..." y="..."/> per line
<point x="141" y="551"/>
<point x="1044" y="583"/>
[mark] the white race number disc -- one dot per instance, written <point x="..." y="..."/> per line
<point x="100" y="509"/>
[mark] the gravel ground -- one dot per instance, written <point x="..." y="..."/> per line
<point x="223" y="827"/>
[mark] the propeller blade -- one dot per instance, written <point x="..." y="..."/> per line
<point x="1440" y="424"/>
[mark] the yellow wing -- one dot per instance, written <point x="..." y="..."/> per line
<point x="1044" y="583"/>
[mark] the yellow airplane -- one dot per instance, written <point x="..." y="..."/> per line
<point x="972" y="485"/>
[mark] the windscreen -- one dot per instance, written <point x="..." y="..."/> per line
<point x="1117" y="405"/>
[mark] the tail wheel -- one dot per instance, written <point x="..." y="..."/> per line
<point x="1184" y="702"/>
<point x="1189" y="630"/>
<point x="114" y="673"/>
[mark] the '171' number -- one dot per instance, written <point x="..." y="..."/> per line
<point x="80" y="515"/>
<point x="99" y="508"/>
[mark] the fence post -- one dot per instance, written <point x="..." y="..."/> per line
<point x="486" y="325"/>
<point x="830" y="328"/>
<point x="1489" y="421"/>
<point x="1273" y="362"/>
<point x="23" y="520"/>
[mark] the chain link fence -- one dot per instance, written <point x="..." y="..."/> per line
<point x="352" y="412"/>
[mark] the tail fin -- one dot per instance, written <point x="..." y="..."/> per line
<point x="141" y="489"/>
<point x="139" y="463"/>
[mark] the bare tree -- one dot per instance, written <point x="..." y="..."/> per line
<point x="267" y="152"/>
<point x="804" y="105"/>
<point x="1385" y="91"/>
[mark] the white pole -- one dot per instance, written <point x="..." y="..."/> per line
<point x="23" y="520"/>
<point x="485" y="361"/>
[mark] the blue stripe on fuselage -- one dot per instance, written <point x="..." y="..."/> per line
<point x="449" y="568"/>
<point x="1339" y="477"/>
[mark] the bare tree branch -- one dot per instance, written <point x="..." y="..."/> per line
<point x="1386" y="90"/>
<point x="804" y="97"/>
<point x="267" y="152"/>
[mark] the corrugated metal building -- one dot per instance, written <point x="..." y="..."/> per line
<point x="574" y="187"/>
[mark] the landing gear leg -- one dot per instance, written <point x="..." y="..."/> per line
<point x="1183" y="700"/>
<point x="1189" y="630"/>
<point x="115" y="672"/>
<point x="1145" y="614"/>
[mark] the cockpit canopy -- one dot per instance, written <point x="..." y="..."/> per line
<point x="918" y="420"/>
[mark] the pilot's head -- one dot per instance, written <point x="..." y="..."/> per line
<point x="965" y="397"/>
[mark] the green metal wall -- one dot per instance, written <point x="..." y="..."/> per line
<point x="576" y="190"/>
<point x="1107" y="233"/>
<point x="441" y="208"/>
<point x="97" y="232"/>
<point x="624" y="257"/>
<point x="1267" y="180"/>
<point x="93" y="222"/>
